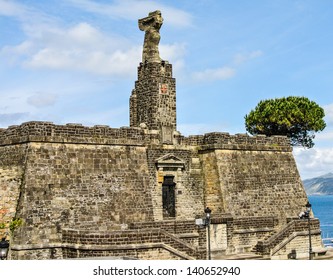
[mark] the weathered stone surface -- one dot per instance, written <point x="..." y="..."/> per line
<point x="104" y="179"/>
<point x="151" y="25"/>
<point x="84" y="187"/>
<point x="12" y="162"/>
<point x="153" y="101"/>
<point x="136" y="191"/>
<point x="254" y="183"/>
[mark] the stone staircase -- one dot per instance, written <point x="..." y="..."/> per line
<point x="127" y="240"/>
<point x="186" y="251"/>
<point x="266" y="247"/>
<point x="277" y="240"/>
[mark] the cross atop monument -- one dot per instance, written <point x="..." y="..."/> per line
<point x="151" y="25"/>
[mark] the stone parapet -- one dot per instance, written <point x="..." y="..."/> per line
<point x="248" y="224"/>
<point x="37" y="131"/>
<point x="172" y="226"/>
<point x="221" y="140"/>
<point x="71" y="133"/>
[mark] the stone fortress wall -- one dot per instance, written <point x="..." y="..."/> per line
<point x="136" y="191"/>
<point x="63" y="178"/>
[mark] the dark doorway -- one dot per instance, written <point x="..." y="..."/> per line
<point x="168" y="194"/>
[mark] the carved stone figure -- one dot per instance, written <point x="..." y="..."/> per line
<point x="151" y="25"/>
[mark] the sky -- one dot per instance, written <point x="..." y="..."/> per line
<point x="75" y="61"/>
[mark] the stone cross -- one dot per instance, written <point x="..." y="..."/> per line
<point x="151" y="25"/>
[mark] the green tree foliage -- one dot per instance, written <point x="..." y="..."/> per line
<point x="296" y="117"/>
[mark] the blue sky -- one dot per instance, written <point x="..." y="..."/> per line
<point x="75" y="61"/>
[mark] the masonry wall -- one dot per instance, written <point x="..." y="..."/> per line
<point x="88" y="178"/>
<point x="72" y="176"/>
<point x="77" y="186"/>
<point x="101" y="179"/>
<point x="149" y="103"/>
<point x="12" y="162"/>
<point x="252" y="180"/>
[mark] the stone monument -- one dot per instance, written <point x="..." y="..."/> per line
<point x="151" y="25"/>
<point x="153" y="100"/>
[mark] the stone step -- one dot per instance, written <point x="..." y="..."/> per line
<point x="242" y="256"/>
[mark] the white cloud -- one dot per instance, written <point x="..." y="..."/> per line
<point x="324" y="136"/>
<point x="133" y="10"/>
<point x="172" y="52"/>
<point x="329" y="113"/>
<point x="83" y="47"/>
<point x="42" y="99"/>
<point x="8" y="8"/>
<point x="222" y="73"/>
<point x="318" y="160"/>
<point x="226" y="72"/>
<point x="314" y="162"/>
<point x="97" y="62"/>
